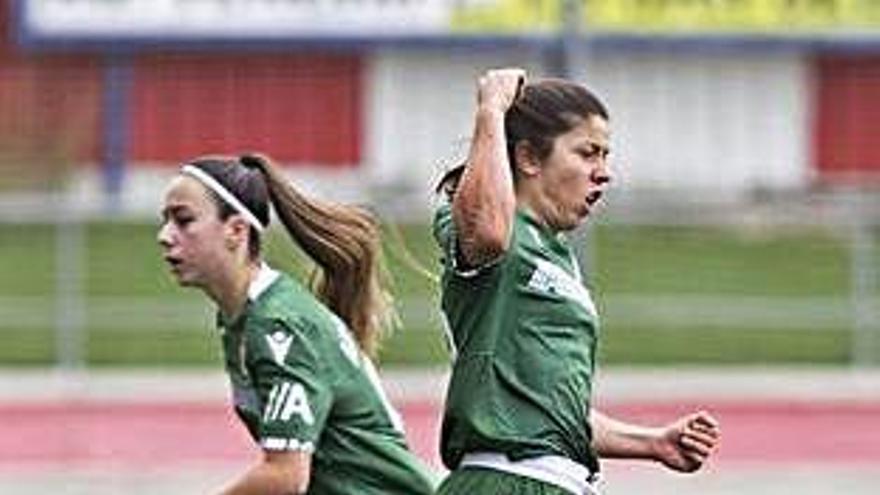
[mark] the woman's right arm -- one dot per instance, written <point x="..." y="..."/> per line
<point x="279" y="473"/>
<point x="484" y="202"/>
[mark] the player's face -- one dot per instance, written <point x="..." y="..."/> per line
<point x="192" y="236"/>
<point x="574" y="177"/>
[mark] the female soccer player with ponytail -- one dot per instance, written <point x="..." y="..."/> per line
<point x="299" y="363"/>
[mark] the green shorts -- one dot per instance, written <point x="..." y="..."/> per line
<point x="473" y="480"/>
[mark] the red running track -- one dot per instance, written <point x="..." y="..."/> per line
<point x="42" y="434"/>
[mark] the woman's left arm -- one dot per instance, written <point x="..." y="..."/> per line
<point x="683" y="445"/>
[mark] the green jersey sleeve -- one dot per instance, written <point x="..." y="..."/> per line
<point x="444" y="235"/>
<point x="292" y="384"/>
<point x="446" y="238"/>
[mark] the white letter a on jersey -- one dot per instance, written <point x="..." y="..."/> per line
<point x="279" y="342"/>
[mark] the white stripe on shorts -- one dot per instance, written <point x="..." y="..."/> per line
<point x="553" y="469"/>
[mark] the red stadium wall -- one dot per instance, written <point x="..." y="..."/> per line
<point x="847" y="117"/>
<point x="298" y="108"/>
<point x="49" y="103"/>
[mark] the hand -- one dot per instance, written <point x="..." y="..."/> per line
<point x="497" y="89"/>
<point x="685" y="444"/>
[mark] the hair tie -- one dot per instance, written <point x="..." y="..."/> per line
<point x="251" y="161"/>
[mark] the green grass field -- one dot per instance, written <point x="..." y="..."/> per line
<point x="136" y="316"/>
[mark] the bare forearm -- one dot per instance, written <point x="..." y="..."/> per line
<point x="487" y="176"/>
<point x="484" y="201"/>
<point x="613" y="438"/>
<point x="267" y="479"/>
<point x="682" y="445"/>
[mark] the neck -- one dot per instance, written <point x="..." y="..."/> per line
<point x="230" y="292"/>
<point x="532" y="206"/>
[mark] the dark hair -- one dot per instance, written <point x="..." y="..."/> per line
<point x="246" y="184"/>
<point x="542" y="111"/>
<point x="343" y="240"/>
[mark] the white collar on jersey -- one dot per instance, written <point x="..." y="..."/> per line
<point x="262" y="281"/>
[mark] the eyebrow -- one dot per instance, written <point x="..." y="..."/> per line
<point x="596" y="146"/>
<point x="169" y="210"/>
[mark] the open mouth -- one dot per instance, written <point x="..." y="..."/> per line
<point x="173" y="262"/>
<point x="594" y="197"/>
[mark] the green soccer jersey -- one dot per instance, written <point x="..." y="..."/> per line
<point x="523" y="331"/>
<point x="300" y="382"/>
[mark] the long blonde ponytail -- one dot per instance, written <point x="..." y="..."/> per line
<point x="345" y="242"/>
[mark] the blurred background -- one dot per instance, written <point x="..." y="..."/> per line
<point x="736" y="262"/>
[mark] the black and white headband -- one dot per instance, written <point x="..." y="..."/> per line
<point x="230" y="199"/>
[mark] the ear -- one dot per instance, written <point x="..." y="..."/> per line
<point x="527" y="164"/>
<point x="236" y="231"/>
